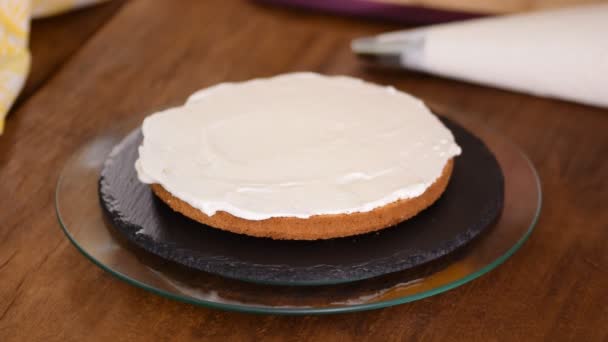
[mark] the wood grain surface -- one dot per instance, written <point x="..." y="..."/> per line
<point x="152" y="54"/>
<point x="54" y="40"/>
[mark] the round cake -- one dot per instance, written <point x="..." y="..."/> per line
<point x="298" y="156"/>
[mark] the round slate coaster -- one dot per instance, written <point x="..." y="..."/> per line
<point x="471" y="202"/>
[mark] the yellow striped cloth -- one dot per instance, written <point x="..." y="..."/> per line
<point x="15" y="16"/>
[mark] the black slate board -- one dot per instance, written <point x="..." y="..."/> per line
<point x="471" y="202"/>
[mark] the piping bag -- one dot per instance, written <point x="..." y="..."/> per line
<point x="559" y="53"/>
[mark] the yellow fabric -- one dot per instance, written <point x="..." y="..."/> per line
<point x="15" y="18"/>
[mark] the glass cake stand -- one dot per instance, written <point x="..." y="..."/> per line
<point x="82" y="220"/>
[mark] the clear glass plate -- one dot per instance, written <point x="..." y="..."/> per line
<point x="82" y="220"/>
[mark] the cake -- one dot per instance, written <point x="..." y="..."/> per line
<point x="298" y="156"/>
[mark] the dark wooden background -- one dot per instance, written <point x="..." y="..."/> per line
<point x="97" y="66"/>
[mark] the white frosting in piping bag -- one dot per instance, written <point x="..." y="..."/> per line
<point x="295" y="145"/>
<point x="561" y="53"/>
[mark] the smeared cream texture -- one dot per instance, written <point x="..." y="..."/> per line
<point x="295" y="145"/>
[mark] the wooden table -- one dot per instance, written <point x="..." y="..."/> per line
<point x="101" y="65"/>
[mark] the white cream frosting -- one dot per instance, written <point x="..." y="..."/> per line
<point x="560" y="53"/>
<point x="295" y="145"/>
